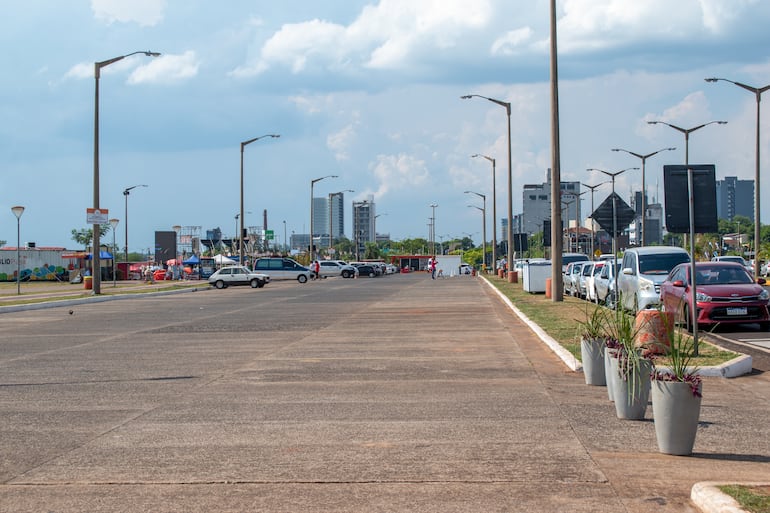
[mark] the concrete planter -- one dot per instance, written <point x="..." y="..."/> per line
<point x="676" y="411"/>
<point x="631" y="393"/>
<point x="592" y="358"/>
<point x="609" y="377"/>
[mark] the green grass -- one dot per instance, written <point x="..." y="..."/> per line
<point x="561" y="321"/>
<point x="752" y="499"/>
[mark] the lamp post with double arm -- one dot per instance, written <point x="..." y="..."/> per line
<point x="691" y="199"/>
<point x="593" y="228"/>
<point x="483" y="225"/>
<point x="758" y="94"/>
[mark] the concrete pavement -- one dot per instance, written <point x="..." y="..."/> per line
<point x="439" y="399"/>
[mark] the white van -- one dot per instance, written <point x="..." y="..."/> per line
<point x="641" y="273"/>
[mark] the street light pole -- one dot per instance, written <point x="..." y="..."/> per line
<point x="240" y="234"/>
<point x="95" y="261"/>
<point x="494" y="209"/>
<point x="483" y="225"/>
<point x="507" y="106"/>
<point x="758" y="94"/>
<point x="691" y="199"/>
<point x="433" y="229"/>
<point x="644" y="158"/>
<point x="614" y="226"/>
<point x="114" y="224"/>
<point x="126" y="192"/>
<point x="312" y="184"/>
<point x="17" y="211"/>
<point x="593" y="228"/>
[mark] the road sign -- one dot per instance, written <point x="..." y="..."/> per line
<point x="603" y="215"/>
<point x="97" y="216"/>
<point x="269" y="235"/>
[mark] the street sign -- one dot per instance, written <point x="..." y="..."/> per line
<point x="269" y="235"/>
<point x="97" y="216"/>
<point x="678" y="199"/>
<point x="603" y="215"/>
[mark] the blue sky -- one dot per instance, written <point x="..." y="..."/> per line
<point x="367" y="90"/>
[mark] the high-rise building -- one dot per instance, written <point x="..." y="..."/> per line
<point x="363" y="222"/>
<point x="735" y="198"/>
<point x="337" y="214"/>
<point x="536" y="203"/>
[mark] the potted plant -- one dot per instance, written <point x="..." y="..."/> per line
<point x="611" y="346"/>
<point x="593" y="336"/>
<point x="630" y="369"/>
<point x="676" y="397"/>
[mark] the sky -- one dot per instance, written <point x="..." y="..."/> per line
<point x="368" y="90"/>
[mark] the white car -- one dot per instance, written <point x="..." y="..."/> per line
<point x="465" y="268"/>
<point x="336" y="268"/>
<point x="238" y="275"/>
<point x="590" y="291"/>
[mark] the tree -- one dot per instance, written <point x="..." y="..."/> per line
<point x="86" y="235"/>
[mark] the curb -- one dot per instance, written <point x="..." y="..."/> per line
<point x="738" y="366"/>
<point x="708" y="497"/>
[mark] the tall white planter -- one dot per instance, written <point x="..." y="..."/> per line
<point x="631" y="393"/>
<point x="609" y="377"/>
<point x="592" y="358"/>
<point x="675" y="410"/>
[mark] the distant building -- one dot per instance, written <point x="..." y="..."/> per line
<point x="653" y="222"/>
<point x="536" y="201"/>
<point x="363" y="223"/>
<point x="735" y="198"/>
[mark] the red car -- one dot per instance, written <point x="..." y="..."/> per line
<point x="725" y="292"/>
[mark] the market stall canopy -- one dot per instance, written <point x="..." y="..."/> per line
<point x="221" y="259"/>
<point x="193" y="260"/>
<point x="104" y="255"/>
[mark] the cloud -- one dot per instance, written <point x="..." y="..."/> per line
<point x="399" y="172"/>
<point x="166" y="69"/>
<point x="391" y="35"/>
<point x="511" y="42"/>
<point x="146" y="13"/>
<point x="339" y="142"/>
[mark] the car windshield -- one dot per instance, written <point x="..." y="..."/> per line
<point x="722" y="276"/>
<point x="661" y="263"/>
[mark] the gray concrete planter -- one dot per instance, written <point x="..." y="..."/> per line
<point x="631" y="393"/>
<point x="609" y="377"/>
<point x="592" y="357"/>
<point x="676" y="411"/>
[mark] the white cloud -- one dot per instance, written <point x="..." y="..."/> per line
<point x="399" y="172"/>
<point x="511" y="42"/>
<point x="81" y="70"/>
<point x="166" y="69"/>
<point x="340" y="142"/>
<point x="143" y="12"/>
<point x="386" y="36"/>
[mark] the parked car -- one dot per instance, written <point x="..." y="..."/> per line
<point x="572" y="279"/>
<point x="725" y="294"/>
<point x="567" y="258"/>
<point x="367" y="269"/>
<point x="642" y="272"/>
<point x="604" y="283"/>
<point x="238" y="275"/>
<point x="596" y="269"/>
<point x="336" y="268"/>
<point x="737" y="259"/>
<point x="582" y="281"/>
<point x="465" y="268"/>
<point x="282" y="269"/>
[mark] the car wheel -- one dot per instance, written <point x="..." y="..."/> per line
<point x="764" y="326"/>
<point x="609" y="301"/>
<point x="219" y="284"/>
<point x="302" y="278"/>
<point x="254" y="283"/>
<point x="261" y="283"/>
<point x="372" y="274"/>
<point x="346" y="274"/>
<point x="686" y="319"/>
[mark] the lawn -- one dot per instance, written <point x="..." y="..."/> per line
<point x="561" y="320"/>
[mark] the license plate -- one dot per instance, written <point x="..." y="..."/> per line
<point x="737" y="311"/>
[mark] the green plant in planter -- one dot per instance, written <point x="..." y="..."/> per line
<point x="593" y="335"/>
<point x="680" y="355"/>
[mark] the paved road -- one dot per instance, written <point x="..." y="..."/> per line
<point x="392" y="394"/>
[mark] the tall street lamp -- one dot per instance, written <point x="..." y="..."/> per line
<point x="240" y="235"/>
<point x="507" y="106"/>
<point x="331" y="197"/>
<point x="614" y="226"/>
<point x="433" y="228"/>
<point x="285" y="242"/>
<point x="690" y="194"/>
<point x="644" y="186"/>
<point x="114" y="224"/>
<point x="312" y="184"/>
<point x="126" y="192"/>
<point x="95" y="262"/>
<point x="593" y="227"/>
<point x="17" y="211"/>
<point x="494" y="209"/>
<point x="758" y="93"/>
<point x="483" y="225"/>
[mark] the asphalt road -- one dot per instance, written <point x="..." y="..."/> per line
<point x="398" y="393"/>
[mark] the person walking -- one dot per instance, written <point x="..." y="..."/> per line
<point x="433" y="268"/>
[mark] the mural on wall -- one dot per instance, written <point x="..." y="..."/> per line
<point x="45" y="272"/>
<point x="34" y="264"/>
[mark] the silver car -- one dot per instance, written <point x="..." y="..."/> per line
<point x="336" y="268"/>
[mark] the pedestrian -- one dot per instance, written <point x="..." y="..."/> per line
<point x="317" y="269"/>
<point x="433" y="268"/>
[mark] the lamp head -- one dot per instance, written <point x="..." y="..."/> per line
<point x="17" y="211"/>
<point x="152" y="54"/>
<point x="114" y="223"/>
<point x="712" y="79"/>
<point x="467" y="96"/>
